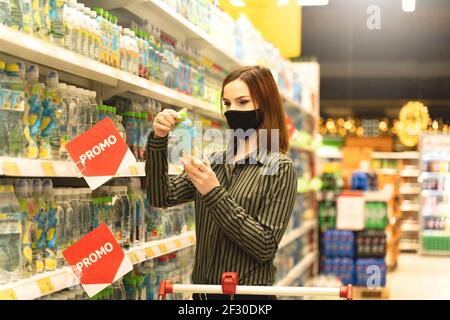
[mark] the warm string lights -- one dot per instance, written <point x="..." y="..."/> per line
<point x="350" y="126"/>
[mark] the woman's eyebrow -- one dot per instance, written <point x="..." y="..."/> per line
<point x="241" y="97"/>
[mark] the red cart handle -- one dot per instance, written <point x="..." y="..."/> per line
<point x="346" y="292"/>
<point x="229" y="283"/>
<point x="165" y="287"/>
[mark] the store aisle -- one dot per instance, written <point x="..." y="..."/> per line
<point x="420" y="277"/>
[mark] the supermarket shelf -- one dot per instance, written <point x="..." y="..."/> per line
<point x="426" y="175"/>
<point x="408" y="173"/>
<point x="408" y="246"/>
<point x="387" y="171"/>
<point x="16" y="167"/>
<point x="409" y="207"/>
<point x="155" y="249"/>
<point x="299" y="269"/>
<point x="435" y="233"/>
<point x="117" y="81"/>
<point x="396" y="155"/>
<point x="409" y="190"/>
<point x="51" y="282"/>
<point x="379" y="155"/>
<point x="297" y="233"/>
<point x="381" y="195"/>
<point x="410" y="227"/>
<point x="181" y="28"/>
<point x="435" y="193"/>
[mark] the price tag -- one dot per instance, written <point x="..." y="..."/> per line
<point x="149" y="252"/>
<point x="11" y="168"/>
<point x="133" y="171"/>
<point x="178" y="244"/>
<point x="163" y="248"/>
<point x="45" y="285"/>
<point x="48" y="168"/>
<point x="133" y="257"/>
<point x="192" y="239"/>
<point x="8" y="294"/>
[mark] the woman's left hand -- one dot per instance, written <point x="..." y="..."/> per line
<point x="200" y="174"/>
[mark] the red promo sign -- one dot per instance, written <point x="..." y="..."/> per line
<point x="100" y="152"/>
<point x="97" y="260"/>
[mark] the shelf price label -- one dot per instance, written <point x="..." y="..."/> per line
<point x="133" y="171"/>
<point x="178" y="244"/>
<point x="192" y="239"/>
<point x="163" y="248"/>
<point x="45" y="285"/>
<point x="149" y="252"/>
<point x="48" y="168"/>
<point x="133" y="257"/>
<point x="11" y="168"/>
<point x="8" y="294"/>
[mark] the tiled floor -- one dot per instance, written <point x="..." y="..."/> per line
<point x="420" y="277"/>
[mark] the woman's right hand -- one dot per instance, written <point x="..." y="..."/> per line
<point x="164" y="122"/>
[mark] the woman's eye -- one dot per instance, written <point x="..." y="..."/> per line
<point x="243" y="102"/>
<point x="226" y="104"/>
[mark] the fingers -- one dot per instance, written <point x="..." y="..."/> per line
<point x="161" y="129"/>
<point x="166" y="118"/>
<point x="196" y="162"/>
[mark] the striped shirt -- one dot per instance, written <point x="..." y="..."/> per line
<point x="239" y="224"/>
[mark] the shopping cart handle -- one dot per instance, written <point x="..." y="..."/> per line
<point x="165" y="287"/>
<point x="346" y="292"/>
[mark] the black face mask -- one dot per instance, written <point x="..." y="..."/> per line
<point x="244" y="120"/>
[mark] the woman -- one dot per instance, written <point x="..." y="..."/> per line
<point x="241" y="211"/>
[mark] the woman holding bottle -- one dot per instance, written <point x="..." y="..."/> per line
<point x="243" y="196"/>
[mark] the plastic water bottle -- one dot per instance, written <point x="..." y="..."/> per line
<point x="69" y="24"/>
<point x="117" y="211"/>
<point x="115" y="43"/>
<point x="5" y="11"/>
<point x="55" y="244"/>
<point x="94" y="49"/>
<point x="40" y="225"/>
<point x="87" y="108"/>
<point x="57" y="21"/>
<point x="126" y="217"/>
<point x="49" y="237"/>
<point x="85" y="210"/>
<point x="16" y="141"/>
<point x="63" y="119"/>
<point x="74" y="198"/>
<point x="27" y="16"/>
<point x="10" y="235"/>
<point x="69" y="215"/>
<point x="4" y="111"/>
<point x="149" y="274"/>
<point x="50" y="136"/>
<point x="86" y="36"/>
<point x="34" y="95"/>
<point x="15" y="19"/>
<point x="22" y="190"/>
<point x="139" y="209"/>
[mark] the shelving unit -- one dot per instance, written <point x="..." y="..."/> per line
<point x="297" y="233"/>
<point x="108" y="82"/>
<point x="435" y="194"/>
<point x="112" y="81"/>
<point x="16" y="167"/>
<point x="299" y="269"/>
<point x="50" y="282"/>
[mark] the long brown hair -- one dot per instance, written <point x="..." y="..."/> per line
<point x="264" y="93"/>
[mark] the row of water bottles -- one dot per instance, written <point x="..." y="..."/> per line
<point x="140" y="49"/>
<point x="142" y="283"/>
<point x="37" y="120"/>
<point x="39" y="221"/>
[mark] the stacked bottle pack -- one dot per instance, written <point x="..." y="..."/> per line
<point x="345" y="254"/>
<point x="39" y="221"/>
<point x="142" y="283"/>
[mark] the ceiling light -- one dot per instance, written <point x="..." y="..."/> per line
<point x="282" y="3"/>
<point x="409" y="5"/>
<point x="237" y="3"/>
<point x="305" y="3"/>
